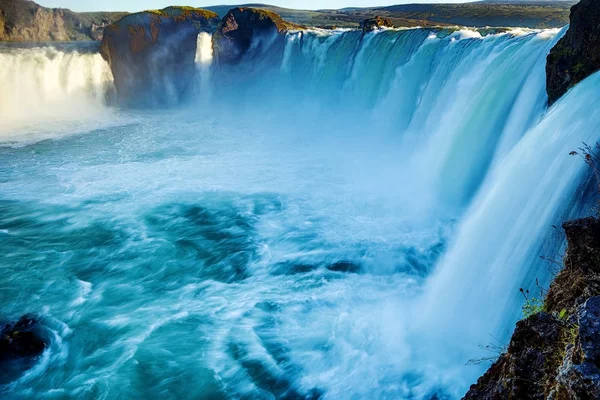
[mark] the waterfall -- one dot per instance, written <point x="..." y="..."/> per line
<point x="474" y="295"/>
<point x="350" y="215"/>
<point x="456" y="102"/>
<point x="469" y="114"/>
<point x="43" y="84"/>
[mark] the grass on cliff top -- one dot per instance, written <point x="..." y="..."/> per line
<point x="281" y="23"/>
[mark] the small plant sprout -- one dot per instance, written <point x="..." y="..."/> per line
<point x="532" y="305"/>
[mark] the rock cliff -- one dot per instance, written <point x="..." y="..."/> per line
<point x="577" y="55"/>
<point x="242" y="29"/>
<point x="370" y="24"/>
<point x="152" y="53"/>
<point x="26" y="21"/>
<point x="555" y="353"/>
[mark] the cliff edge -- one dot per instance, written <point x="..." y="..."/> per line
<point x="577" y="55"/>
<point x="555" y="352"/>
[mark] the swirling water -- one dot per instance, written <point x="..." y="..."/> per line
<point x="350" y="219"/>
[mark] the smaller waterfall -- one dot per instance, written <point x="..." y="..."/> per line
<point x="50" y="84"/>
<point x="204" y="59"/>
<point x="204" y="52"/>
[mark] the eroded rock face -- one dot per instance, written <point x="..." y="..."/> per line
<point x="244" y="28"/>
<point x="20" y="340"/>
<point x="579" y="376"/>
<point x="555" y="354"/>
<point x="26" y="21"/>
<point x="577" y="55"/>
<point x="370" y="24"/>
<point x="152" y="53"/>
<point x="517" y="373"/>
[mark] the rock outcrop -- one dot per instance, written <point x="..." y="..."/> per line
<point x="152" y="53"/>
<point x="579" y="375"/>
<point x="377" y="22"/>
<point x="26" y="21"/>
<point x="577" y="55"/>
<point x="20" y="340"/>
<point x="555" y="354"/>
<point x="244" y="28"/>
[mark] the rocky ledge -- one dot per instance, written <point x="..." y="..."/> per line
<point x="243" y="28"/>
<point x="377" y="22"/>
<point x="577" y="55"/>
<point x="555" y="353"/>
<point x="152" y="53"/>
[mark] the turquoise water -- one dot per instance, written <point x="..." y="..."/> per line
<point x="299" y="234"/>
<point x="222" y="252"/>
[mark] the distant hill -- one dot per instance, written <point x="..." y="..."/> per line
<point x="24" y="20"/>
<point x="528" y="1"/>
<point x="513" y="13"/>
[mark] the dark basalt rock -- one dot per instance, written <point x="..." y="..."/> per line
<point x="243" y="28"/>
<point x="577" y="55"/>
<point x="555" y="354"/>
<point x="152" y="53"/>
<point x="581" y="280"/>
<point x="344" y="266"/>
<point x="583" y="236"/>
<point x="20" y="340"/>
<point x="517" y="373"/>
<point x="370" y="24"/>
<point x="579" y="376"/>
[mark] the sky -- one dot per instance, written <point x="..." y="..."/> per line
<point x="137" y="5"/>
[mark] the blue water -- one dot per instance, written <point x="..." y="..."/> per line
<point x="296" y="235"/>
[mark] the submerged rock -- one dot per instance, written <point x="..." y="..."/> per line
<point x="152" y="53"/>
<point x="577" y="55"/>
<point x="517" y="373"/>
<point x="370" y="24"/>
<point x="20" y="340"/>
<point x="555" y="354"/>
<point x="344" y="266"/>
<point x="243" y="28"/>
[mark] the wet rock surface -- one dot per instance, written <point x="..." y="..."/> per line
<point x="371" y="24"/>
<point x="243" y="28"/>
<point x="577" y="55"/>
<point x="152" y="53"/>
<point x="555" y="354"/>
<point x="21" y="340"/>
